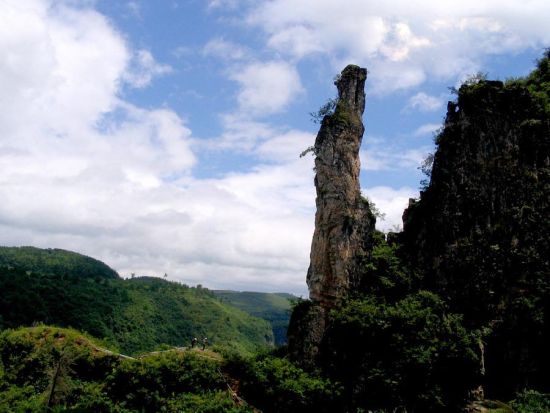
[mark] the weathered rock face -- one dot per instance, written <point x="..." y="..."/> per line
<point x="343" y="222"/>
<point x="479" y="233"/>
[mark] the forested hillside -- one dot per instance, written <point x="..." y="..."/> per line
<point x="134" y="315"/>
<point x="53" y="261"/>
<point x="273" y="307"/>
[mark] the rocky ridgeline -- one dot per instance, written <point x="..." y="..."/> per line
<point x="344" y="222"/>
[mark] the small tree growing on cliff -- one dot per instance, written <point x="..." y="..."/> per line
<point x="426" y="168"/>
<point x="326" y="109"/>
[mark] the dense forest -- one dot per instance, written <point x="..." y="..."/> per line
<point x="449" y="315"/>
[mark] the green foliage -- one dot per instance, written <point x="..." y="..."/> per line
<point x="426" y="168"/>
<point x="165" y="312"/>
<point x="538" y="82"/>
<point x="276" y="385"/>
<point x="373" y="208"/>
<point x="136" y="315"/>
<point x="209" y="402"/>
<point x="386" y="274"/>
<point x="37" y="261"/>
<point x="147" y="382"/>
<point x="326" y="109"/>
<point x="531" y="401"/>
<point x="399" y="356"/>
<point x="100" y="381"/>
<point x="272" y="307"/>
<point x="479" y="233"/>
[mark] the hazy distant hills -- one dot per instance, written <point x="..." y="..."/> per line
<point x="272" y="307"/>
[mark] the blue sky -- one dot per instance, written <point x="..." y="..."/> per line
<point x="163" y="136"/>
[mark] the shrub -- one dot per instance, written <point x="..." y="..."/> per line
<point x="276" y="385"/>
<point x="392" y="356"/>
<point x="531" y="401"/>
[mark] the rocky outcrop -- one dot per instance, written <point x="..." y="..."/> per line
<point x="479" y="233"/>
<point x="343" y="222"/>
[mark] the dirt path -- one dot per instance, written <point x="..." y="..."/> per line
<point x="203" y="353"/>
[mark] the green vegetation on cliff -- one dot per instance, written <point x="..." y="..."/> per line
<point x="479" y="233"/>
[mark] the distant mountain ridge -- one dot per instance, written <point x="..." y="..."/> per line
<point x="66" y="289"/>
<point x="275" y="308"/>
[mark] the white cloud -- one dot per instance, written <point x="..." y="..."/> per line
<point x="403" y="43"/>
<point x="216" y="4"/>
<point x="134" y="8"/>
<point x="84" y="170"/>
<point x="144" y="69"/>
<point x="266" y="87"/>
<point x="391" y="202"/>
<point x="427" y="129"/>
<point x="286" y="147"/>
<point x="224" y="49"/>
<point x="58" y="67"/>
<point x="424" y="103"/>
<point x="240" y="134"/>
<point x="381" y="155"/>
<point x="298" y="40"/>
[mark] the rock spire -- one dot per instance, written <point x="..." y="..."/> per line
<point x="343" y="222"/>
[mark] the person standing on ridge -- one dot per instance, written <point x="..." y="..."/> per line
<point x="204" y="343"/>
<point x="194" y="342"/>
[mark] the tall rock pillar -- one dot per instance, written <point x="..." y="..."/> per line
<point x="343" y="222"/>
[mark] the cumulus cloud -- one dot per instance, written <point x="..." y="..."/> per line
<point x="266" y="87"/>
<point x="96" y="174"/>
<point x="391" y="202"/>
<point x="285" y="147"/>
<point x="240" y="134"/>
<point x="144" y="68"/>
<point x="403" y="43"/>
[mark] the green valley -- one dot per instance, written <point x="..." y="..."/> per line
<point x="273" y="307"/>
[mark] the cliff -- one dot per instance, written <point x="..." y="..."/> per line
<point x="479" y="232"/>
